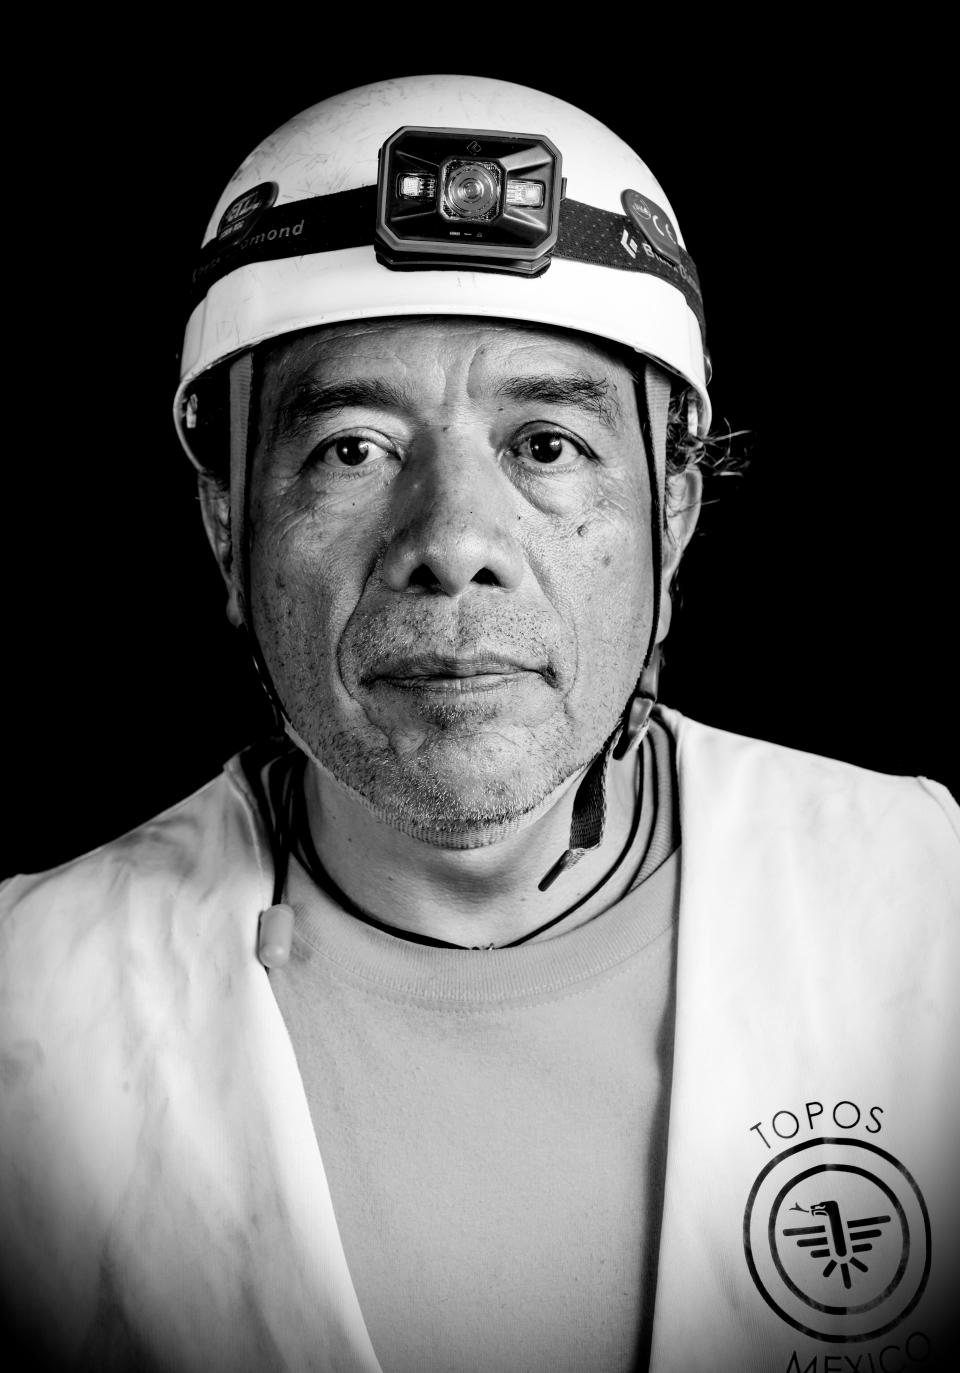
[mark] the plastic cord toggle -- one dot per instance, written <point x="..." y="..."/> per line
<point x="276" y="936"/>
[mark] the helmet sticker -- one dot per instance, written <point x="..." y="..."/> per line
<point x="654" y="223"/>
<point x="589" y="234"/>
<point x="241" y="214"/>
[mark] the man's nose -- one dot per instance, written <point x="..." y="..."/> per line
<point x="452" y="522"/>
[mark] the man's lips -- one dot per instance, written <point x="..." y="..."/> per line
<point x="423" y="669"/>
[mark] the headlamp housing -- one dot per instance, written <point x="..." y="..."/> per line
<point x="468" y="197"/>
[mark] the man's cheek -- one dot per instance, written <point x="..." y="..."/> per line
<point x="615" y="611"/>
<point x="611" y="577"/>
<point x="289" y="604"/>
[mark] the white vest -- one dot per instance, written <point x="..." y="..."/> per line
<point x="164" y="1203"/>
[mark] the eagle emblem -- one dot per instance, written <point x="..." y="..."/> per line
<point x="838" y="1240"/>
<point x="850" y="1266"/>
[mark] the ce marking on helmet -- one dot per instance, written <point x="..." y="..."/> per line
<point x="665" y="230"/>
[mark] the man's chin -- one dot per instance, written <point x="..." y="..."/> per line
<point x="450" y="801"/>
<point x="452" y="790"/>
<point x="456" y="826"/>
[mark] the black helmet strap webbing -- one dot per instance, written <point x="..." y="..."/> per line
<point x="656" y="386"/>
<point x="243" y="427"/>
<point x="241" y="385"/>
<point x="589" y="816"/>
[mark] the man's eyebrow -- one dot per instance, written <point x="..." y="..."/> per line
<point x="311" y="400"/>
<point x="581" y="392"/>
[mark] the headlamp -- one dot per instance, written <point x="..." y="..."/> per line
<point x="468" y="197"/>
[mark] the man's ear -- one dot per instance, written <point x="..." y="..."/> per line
<point x="683" y="493"/>
<point x="215" y="506"/>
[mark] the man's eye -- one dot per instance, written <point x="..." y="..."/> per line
<point x="548" y="448"/>
<point x="352" y="450"/>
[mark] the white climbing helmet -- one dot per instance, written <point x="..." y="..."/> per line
<point x="443" y="195"/>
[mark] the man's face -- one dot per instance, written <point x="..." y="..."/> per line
<point x="450" y="562"/>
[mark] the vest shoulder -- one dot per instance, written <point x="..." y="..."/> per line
<point x="779" y="777"/>
<point x="167" y="851"/>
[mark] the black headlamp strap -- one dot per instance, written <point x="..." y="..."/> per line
<point x="347" y="219"/>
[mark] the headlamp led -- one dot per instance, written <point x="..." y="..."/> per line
<point x="468" y="197"/>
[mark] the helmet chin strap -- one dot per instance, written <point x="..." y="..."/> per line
<point x="241" y="397"/>
<point x="243" y="409"/>
<point x="588" y="820"/>
<point x="657" y="394"/>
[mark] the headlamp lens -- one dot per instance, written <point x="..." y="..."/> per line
<point x="471" y="190"/>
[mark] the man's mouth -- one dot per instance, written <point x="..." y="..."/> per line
<point x="453" y="673"/>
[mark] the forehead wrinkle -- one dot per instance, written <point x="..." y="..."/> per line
<point x="590" y="394"/>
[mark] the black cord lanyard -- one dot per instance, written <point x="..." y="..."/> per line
<point x="284" y="805"/>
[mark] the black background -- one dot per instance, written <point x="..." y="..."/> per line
<point x="806" y="168"/>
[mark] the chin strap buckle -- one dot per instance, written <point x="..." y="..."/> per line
<point x="637" y="716"/>
<point x="590" y="805"/>
<point x="588" y="819"/>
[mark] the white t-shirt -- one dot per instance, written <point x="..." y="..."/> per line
<point x="493" y="1122"/>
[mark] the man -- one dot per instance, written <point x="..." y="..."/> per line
<point x="589" y="1038"/>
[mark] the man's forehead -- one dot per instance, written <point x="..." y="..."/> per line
<point x="496" y="347"/>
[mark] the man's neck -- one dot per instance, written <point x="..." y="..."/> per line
<point x="474" y="896"/>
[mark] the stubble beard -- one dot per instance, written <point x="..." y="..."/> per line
<point x="448" y="781"/>
<point x="457" y="791"/>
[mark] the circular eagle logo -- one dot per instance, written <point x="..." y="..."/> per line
<point x="837" y="1239"/>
